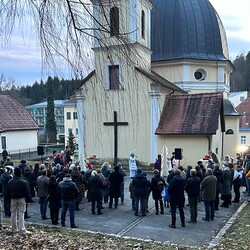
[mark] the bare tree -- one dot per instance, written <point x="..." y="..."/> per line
<point x="65" y="29"/>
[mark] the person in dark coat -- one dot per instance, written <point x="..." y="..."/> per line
<point x="158" y="163"/>
<point x="58" y="160"/>
<point x="5" y="177"/>
<point x="77" y="178"/>
<point x="106" y="172"/>
<point x="157" y="182"/>
<point x="115" y="180"/>
<point x="18" y="190"/>
<point x="177" y="198"/>
<point x="217" y="172"/>
<point x="54" y="200"/>
<point x="237" y="182"/>
<point x="208" y="190"/>
<point x="192" y="188"/>
<point x="140" y="185"/>
<point x="95" y="192"/>
<point x="22" y="165"/>
<point x="226" y="187"/>
<point x="30" y="177"/>
<point x="69" y="192"/>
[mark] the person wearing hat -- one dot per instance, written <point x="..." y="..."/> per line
<point x="132" y="164"/>
<point x="5" y="177"/>
<point x="18" y="190"/>
<point x="69" y="192"/>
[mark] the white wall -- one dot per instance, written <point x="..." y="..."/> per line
<point x="20" y="140"/>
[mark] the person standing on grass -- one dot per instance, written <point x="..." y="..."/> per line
<point x="18" y="191"/>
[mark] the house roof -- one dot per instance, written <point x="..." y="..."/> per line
<point x="44" y="104"/>
<point x="229" y="109"/>
<point x="194" y="114"/>
<point x="159" y="79"/>
<point x="244" y="106"/>
<point x="187" y="29"/>
<point x="14" y="116"/>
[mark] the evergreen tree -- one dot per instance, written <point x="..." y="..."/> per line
<point x="50" y="129"/>
<point x="71" y="142"/>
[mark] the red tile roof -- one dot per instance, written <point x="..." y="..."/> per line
<point x="195" y="114"/>
<point x="244" y="109"/>
<point x="14" y="116"/>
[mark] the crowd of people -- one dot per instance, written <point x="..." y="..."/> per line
<point x="61" y="186"/>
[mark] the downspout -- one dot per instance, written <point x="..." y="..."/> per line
<point x="209" y="142"/>
<point x="171" y="92"/>
<point x="222" y="145"/>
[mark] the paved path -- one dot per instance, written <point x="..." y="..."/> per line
<point x="122" y="222"/>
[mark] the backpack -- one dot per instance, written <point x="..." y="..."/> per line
<point x="160" y="186"/>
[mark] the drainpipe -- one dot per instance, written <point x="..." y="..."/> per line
<point x="222" y="145"/>
<point x="209" y="142"/>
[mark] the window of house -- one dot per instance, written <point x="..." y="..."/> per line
<point x="70" y="131"/>
<point x="3" y="140"/>
<point x="243" y="139"/>
<point x="114" y="77"/>
<point x="229" y="132"/>
<point x="242" y="98"/>
<point x="143" y="24"/>
<point x="76" y="131"/>
<point x="200" y="74"/>
<point x="74" y="115"/>
<point x="68" y="115"/>
<point x="114" y="21"/>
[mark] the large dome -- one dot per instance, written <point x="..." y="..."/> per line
<point x="187" y="29"/>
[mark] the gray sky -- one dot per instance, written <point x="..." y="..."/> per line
<point x="21" y="61"/>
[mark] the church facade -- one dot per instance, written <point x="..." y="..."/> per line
<point x="156" y="82"/>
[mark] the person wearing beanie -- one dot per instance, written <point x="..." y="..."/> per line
<point x="18" y="190"/>
<point x="140" y="185"/>
<point x="69" y="192"/>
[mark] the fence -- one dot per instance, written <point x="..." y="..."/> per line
<point x="32" y="154"/>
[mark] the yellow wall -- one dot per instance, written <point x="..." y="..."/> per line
<point x="194" y="147"/>
<point x="72" y="123"/>
<point x="232" y="142"/>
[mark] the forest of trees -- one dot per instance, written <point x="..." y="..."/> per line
<point x="37" y="92"/>
<point x="63" y="89"/>
<point x="240" y="78"/>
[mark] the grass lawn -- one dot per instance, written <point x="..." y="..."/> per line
<point x="43" y="237"/>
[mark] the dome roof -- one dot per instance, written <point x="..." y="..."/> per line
<point x="187" y="29"/>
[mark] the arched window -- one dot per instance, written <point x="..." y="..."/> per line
<point x="114" y="21"/>
<point x="143" y="24"/>
<point x="229" y="132"/>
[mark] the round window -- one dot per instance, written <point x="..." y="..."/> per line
<point x="200" y="74"/>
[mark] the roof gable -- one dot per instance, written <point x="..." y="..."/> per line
<point x="14" y="116"/>
<point x="152" y="75"/>
<point x="195" y="114"/>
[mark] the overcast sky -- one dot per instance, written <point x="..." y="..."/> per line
<point x="21" y="59"/>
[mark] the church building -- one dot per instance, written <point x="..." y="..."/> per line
<point x="160" y="79"/>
